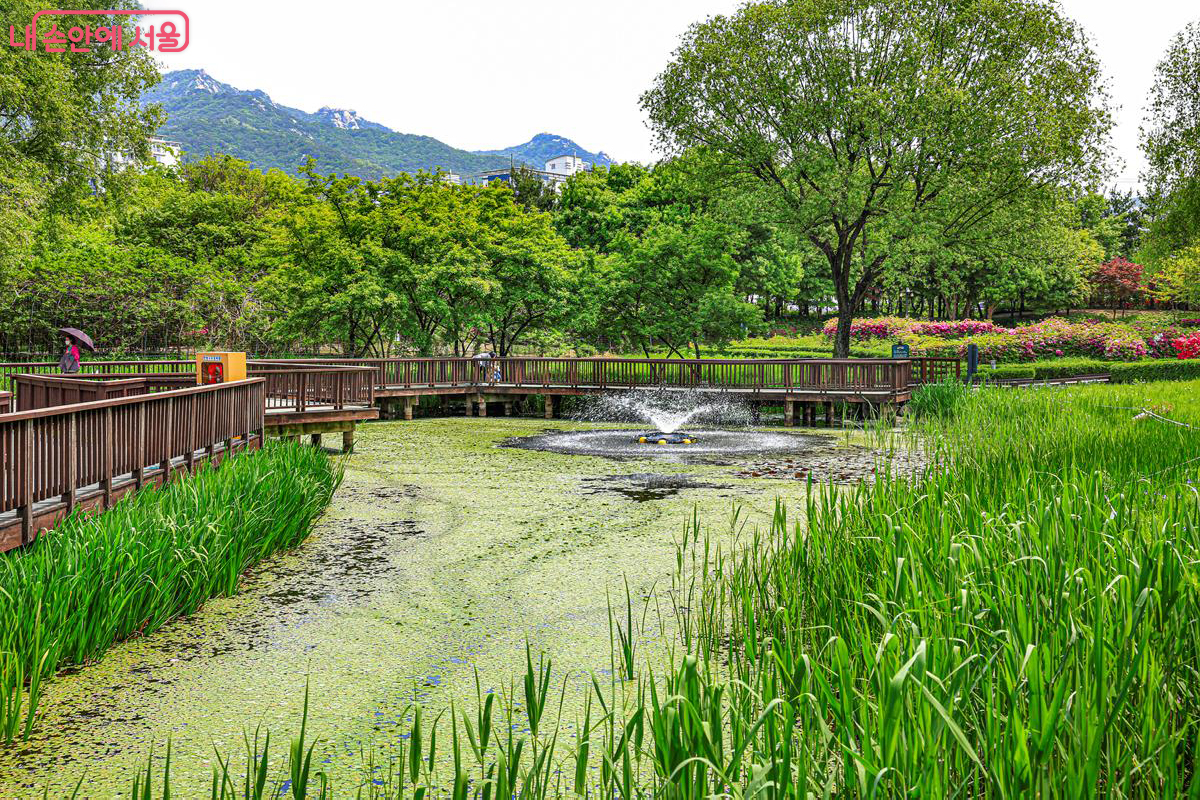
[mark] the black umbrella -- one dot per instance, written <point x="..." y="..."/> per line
<point x="80" y="337"/>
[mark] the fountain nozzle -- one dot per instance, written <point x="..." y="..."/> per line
<point x="675" y="437"/>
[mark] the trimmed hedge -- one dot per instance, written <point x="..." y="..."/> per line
<point x="1002" y="372"/>
<point x="1118" y="371"/>
<point x="1158" y="370"/>
<point x="1070" y="367"/>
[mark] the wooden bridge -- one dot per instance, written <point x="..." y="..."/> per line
<point x="82" y="441"/>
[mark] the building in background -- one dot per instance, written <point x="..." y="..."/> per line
<point x="165" y="152"/>
<point x="557" y="170"/>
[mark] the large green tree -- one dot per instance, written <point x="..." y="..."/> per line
<point x="881" y="126"/>
<point x="65" y="120"/>
<point x="413" y="263"/>
<point x="1171" y="142"/>
<point x="665" y="263"/>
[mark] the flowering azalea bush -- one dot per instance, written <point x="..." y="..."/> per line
<point x="1054" y="337"/>
<point x="891" y="327"/>
<point x="1187" y="346"/>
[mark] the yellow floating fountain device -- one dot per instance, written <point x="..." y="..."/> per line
<point x="675" y="437"/>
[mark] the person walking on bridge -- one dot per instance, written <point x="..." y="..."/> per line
<point x="68" y="363"/>
<point x="489" y="369"/>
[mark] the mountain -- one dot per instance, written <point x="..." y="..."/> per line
<point x="208" y="116"/>
<point x="545" y="146"/>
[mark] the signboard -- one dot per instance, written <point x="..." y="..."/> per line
<point x="900" y="351"/>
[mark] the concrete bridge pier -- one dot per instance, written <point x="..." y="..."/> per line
<point x="549" y="406"/>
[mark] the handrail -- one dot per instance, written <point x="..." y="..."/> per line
<point x="6" y="400"/>
<point x="818" y="374"/>
<point x="43" y="391"/>
<point x="299" y="384"/>
<point x="56" y="452"/>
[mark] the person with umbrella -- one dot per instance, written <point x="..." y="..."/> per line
<point x="69" y="362"/>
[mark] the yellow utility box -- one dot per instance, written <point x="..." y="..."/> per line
<point x="220" y="367"/>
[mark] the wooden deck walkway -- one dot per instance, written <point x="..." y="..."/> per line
<point x="82" y="441"/>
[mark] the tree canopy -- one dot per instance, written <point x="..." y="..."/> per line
<point x="882" y="128"/>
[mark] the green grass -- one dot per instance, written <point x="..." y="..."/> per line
<point x="1021" y="620"/>
<point x="157" y="554"/>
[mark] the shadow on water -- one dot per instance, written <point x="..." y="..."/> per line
<point x="642" y="487"/>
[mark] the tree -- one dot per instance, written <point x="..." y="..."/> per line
<point x="531" y="270"/>
<point x="64" y="117"/>
<point x="531" y="191"/>
<point x="1176" y="278"/>
<point x="667" y="263"/>
<point x="1171" y="141"/>
<point x="885" y="125"/>
<point x="1117" y="281"/>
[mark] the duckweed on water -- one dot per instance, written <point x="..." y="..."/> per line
<point x="440" y="554"/>
<point x="1022" y="620"/>
<point x="157" y="554"/>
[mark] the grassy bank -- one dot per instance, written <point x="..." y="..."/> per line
<point x="155" y="555"/>
<point x="1022" y="620"/>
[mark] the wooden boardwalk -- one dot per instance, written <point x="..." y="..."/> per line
<point x="82" y="441"/>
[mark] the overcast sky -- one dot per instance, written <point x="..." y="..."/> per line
<point x="484" y="74"/>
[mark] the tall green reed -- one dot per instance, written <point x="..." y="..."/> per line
<point x="156" y="555"/>
<point x="1021" y="620"/>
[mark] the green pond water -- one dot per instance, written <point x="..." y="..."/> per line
<point x="442" y="552"/>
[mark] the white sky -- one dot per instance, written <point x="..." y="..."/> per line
<point x="484" y="74"/>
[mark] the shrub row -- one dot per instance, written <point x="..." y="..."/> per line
<point x="1164" y="370"/>
<point x="1119" y="371"/>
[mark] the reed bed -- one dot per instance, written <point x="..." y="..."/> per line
<point x="1022" y="620"/>
<point x="156" y="555"/>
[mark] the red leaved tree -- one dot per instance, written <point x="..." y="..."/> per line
<point x="1116" y="282"/>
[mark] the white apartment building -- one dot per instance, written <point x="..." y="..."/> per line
<point x="557" y="170"/>
<point x="566" y="165"/>
<point x="165" y="152"/>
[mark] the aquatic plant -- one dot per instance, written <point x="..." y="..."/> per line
<point x="1023" y="619"/>
<point x="938" y="399"/>
<point x="155" y="555"/>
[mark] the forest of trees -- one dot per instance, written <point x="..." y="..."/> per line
<point x="865" y="205"/>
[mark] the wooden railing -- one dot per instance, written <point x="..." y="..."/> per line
<point x="935" y="370"/>
<point x="290" y="385"/>
<point x="93" y="368"/>
<point x="818" y="374"/>
<point x="300" y="384"/>
<point x="86" y="452"/>
<point x="47" y="391"/>
<point x="6" y="402"/>
<point x="300" y="387"/>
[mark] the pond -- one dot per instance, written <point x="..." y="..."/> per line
<point x="443" y="551"/>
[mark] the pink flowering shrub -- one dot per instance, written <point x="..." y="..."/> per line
<point x="1050" y="338"/>
<point x="1187" y="346"/>
<point x="891" y="327"/>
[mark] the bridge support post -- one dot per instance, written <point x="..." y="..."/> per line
<point x="508" y="406"/>
<point x="348" y="441"/>
<point x="408" y="408"/>
<point x="829" y="415"/>
<point x="789" y="413"/>
<point x="549" y="406"/>
<point x="481" y="401"/>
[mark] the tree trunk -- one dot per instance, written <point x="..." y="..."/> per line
<point x="841" y="342"/>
